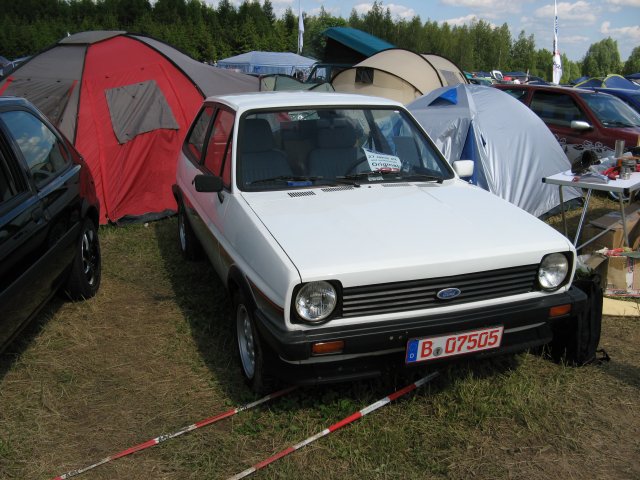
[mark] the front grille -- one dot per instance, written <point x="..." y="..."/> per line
<point x="421" y="294"/>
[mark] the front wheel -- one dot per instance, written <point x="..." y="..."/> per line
<point x="250" y="350"/>
<point x="86" y="270"/>
<point x="576" y="340"/>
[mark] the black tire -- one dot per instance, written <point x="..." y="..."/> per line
<point x="250" y="349"/>
<point x="577" y="341"/>
<point x="187" y="241"/>
<point x="86" y="270"/>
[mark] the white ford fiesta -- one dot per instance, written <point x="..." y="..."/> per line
<point x="350" y="246"/>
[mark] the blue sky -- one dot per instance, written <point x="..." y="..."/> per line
<point x="580" y="23"/>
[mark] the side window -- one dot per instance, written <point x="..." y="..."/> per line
<point x="9" y="188"/>
<point x="226" y="169"/>
<point x="43" y="151"/>
<point x="517" y="94"/>
<point x="195" y="141"/>
<point x="556" y="109"/>
<point x="218" y="141"/>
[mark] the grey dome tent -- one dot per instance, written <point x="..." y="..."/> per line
<point x="511" y="147"/>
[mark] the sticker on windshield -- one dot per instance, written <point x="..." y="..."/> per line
<point x="379" y="161"/>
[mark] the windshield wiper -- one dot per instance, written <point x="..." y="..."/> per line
<point x="617" y="123"/>
<point x="286" y="178"/>
<point x="305" y="180"/>
<point x="395" y="173"/>
<point x="424" y="177"/>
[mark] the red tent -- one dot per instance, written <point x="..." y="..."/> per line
<point x="125" y="101"/>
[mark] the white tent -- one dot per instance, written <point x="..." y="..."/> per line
<point x="511" y="147"/>
<point x="265" y="63"/>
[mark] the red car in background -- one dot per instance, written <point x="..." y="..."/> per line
<point x="581" y="119"/>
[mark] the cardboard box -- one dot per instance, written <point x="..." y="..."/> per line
<point x="623" y="277"/>
<point x="620" y="275"/>
<point x="614" y="238"/>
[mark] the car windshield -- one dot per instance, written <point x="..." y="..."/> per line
<point x="321" y="147"/>
<point x="611" y="111"/>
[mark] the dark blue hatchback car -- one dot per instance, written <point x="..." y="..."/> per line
<point x="48" y="217"/>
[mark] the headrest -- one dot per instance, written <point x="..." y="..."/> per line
<point x="338" y="133"/>
<point x="257" y="136"/>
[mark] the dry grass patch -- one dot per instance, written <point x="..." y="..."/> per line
<point x="153" y="352"/>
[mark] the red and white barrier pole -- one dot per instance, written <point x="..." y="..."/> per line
<point x="162" y="438"/>
<point x="345" y="421"/>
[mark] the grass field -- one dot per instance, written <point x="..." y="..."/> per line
<point x="153" y="353"/>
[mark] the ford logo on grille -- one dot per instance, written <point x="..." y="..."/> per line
<point x="448" y="293"/>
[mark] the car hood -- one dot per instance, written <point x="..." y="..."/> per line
<point x="393" y="232"/>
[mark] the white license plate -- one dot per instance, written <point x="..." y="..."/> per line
<point x="431" y="348"/>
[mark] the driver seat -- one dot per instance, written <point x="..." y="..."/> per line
<point x="259" y="158"/>
<point x="335" y="151"/>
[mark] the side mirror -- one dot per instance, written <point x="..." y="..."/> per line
<point x="207" y="183"/>
<point x="464" y="168"/>
<point x="580" y="125"/>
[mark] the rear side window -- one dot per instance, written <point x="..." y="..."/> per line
<point x="43" y="151"/>
<point x="195" y="142"/>
<point x="556" y="108"/>
<point x="219" y="141"/>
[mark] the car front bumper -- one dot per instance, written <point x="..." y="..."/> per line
<point x="371" y="348"/>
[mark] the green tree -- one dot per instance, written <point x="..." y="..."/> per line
<point x="632" y="65"/>
<point x="523" y="53"/>
<point x="602" y="58"/>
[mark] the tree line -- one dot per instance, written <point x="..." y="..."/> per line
<point x="210" y="33"/>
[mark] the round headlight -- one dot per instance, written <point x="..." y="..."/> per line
<point x="553" y="271"/>
<point x="315" y="301"/>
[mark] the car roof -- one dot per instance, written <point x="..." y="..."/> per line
<point x="18" y="101"/>
<point x="618" y="91"/>
<point x="556" y="88"/>
<point x="259" y="100"/>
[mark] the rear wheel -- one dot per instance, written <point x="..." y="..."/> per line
<point x="86" y="270"/>
<point x="250" y="349"/>
<point x="187" y="240"/>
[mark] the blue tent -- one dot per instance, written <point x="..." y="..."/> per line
<point x="610" y="81"/>
<point x="512" y="149"/>
<point x="266" y="63"/>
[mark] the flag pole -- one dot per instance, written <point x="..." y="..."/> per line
<point x="557" y="61"/>
<point x="300" y="28"/>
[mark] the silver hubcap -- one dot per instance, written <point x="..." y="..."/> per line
<point x="89" y="256"/>
<point x="245" y="341"/>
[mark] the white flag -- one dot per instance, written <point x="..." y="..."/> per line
<point x="557" y="62"/>
<point x="300" y="30"/>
